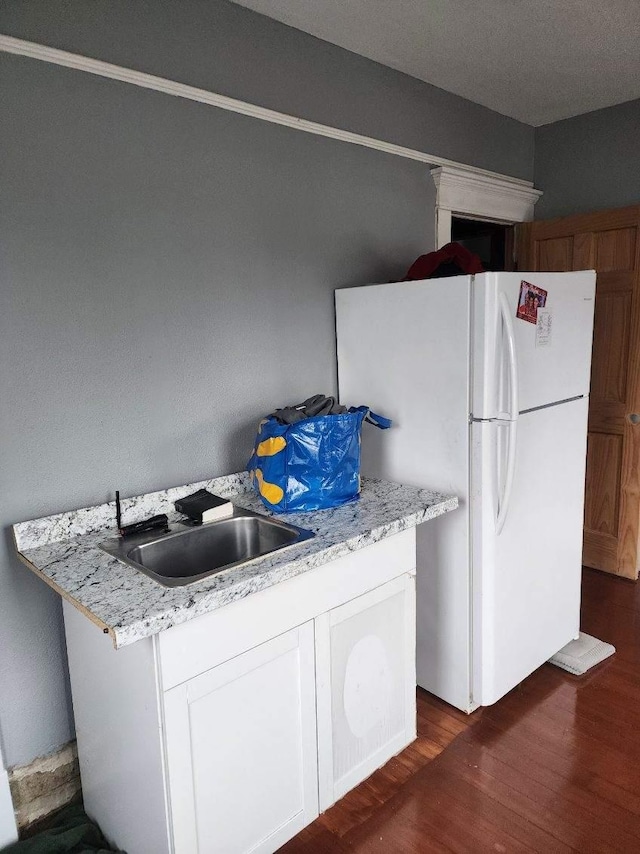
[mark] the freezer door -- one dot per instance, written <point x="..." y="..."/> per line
<point x="551" y="364"/>
<point x="403" y="350"/>
<point x="526" y="579"/>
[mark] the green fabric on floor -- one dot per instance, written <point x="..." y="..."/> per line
<point x="70" y="832"/>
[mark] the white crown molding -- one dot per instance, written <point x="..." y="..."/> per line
<point x="20" y="47"/>
<point x="468" y="193"/>
<point x="460" y="188"/>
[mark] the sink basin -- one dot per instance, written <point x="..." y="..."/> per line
<point x="185" y="556"/>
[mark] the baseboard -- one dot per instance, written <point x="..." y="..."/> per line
<point x="45" y="785"/>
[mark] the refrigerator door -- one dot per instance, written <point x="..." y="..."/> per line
<point x="526" y="579"/>
<point x="403" y="349"/>
<point x="553" y="363"/>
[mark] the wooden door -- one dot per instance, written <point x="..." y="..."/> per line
<point x="241" y="750"/>
<point x="609" y="242"/>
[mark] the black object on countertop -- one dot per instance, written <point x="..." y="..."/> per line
<point x="159" y="522"/>
<point x="118" y="510"/>
<point x="202" y="505"/>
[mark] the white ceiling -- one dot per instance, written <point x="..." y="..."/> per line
<point x="535" y="60"/>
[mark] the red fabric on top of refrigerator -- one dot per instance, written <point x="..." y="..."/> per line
<point x="426" y="266"/>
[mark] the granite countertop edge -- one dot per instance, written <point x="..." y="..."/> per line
<point x="63" y="551"/>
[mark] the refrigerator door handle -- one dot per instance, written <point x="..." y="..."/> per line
<point x="505" y="498"/>
<point x="511" y="351"/>
<point x="512" y="416"/>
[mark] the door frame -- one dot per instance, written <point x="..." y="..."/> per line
<point x="473" y="195"/>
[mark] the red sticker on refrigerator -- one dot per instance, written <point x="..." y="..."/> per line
<point x="531" y="299"/>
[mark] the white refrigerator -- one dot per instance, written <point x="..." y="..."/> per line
<point x="486" y="379"/>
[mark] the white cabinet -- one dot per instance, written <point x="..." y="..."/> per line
<point x="365" y="671"/>
<point x="226" y="734"/>
<point x="241" y="750"/>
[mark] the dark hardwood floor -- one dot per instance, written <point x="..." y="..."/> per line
<point x="553" y="767"/>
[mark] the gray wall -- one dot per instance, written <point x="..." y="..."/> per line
<point x="590" y="162"/>
<point x="168" y="268"/>
<point x="232" y="50"/>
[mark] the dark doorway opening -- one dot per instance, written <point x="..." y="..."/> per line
<point x="491" y="241"/>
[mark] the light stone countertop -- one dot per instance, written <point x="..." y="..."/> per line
<point x="63" y="551"/>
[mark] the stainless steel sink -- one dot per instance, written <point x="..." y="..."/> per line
<point x="184" y="556"/>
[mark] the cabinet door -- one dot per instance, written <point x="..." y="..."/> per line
<point x="241" y="750"/>
<point x="366" y="683"/>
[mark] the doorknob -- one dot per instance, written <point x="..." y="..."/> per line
<point x="634" y="418"/>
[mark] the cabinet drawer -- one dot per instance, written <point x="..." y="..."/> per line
<point x="204" y="642"/>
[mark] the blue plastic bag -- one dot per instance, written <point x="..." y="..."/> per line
<point x="311" y="465"/>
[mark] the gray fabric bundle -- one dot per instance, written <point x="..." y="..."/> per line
<point x="319" y="404"/>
